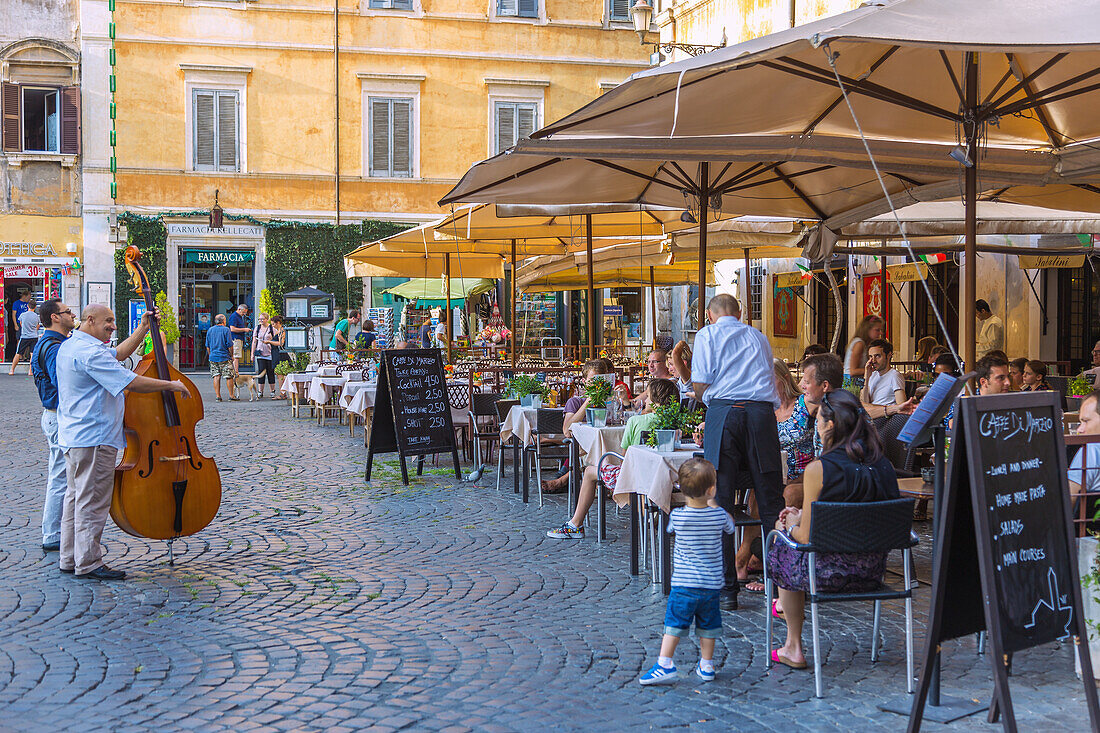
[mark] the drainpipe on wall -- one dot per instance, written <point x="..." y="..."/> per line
<point x="793" y="13"/>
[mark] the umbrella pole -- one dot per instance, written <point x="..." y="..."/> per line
<point x="447" y="312"/>
<point x="653" y="302"/>
<point x="970" y="198"/>
<point x="885" y="297"/>
<point x="591" y="288"/>
<point x="747" y="306"/>
<point x="515" y="333"/>
<point x="704" y="196"/>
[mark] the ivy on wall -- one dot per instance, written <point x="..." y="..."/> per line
<point x="298" y="254"/>
<point x="151" y="237"/>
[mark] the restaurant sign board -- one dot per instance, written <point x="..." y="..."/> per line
<point x="906" y="272"/>
<point x="790" y="279"/>
<point x="1047" y="262"/>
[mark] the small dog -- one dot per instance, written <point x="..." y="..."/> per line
<point x="246" y="380"/>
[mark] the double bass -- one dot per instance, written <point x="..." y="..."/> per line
<point x="164" y="487"/>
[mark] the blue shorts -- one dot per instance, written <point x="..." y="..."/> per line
<point x="698" y="604"/>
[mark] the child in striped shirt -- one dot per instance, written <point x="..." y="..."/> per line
<point x="697" y="576"/>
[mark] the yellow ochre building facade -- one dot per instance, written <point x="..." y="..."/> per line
<point x="240" y="97"/>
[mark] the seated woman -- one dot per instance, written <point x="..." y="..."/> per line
<point x="852" y="468"/>
<point x="623" y="394"/>
<point x="1016" y="373"/>
<point x="575" y="408"/>
<point x="796" y="439"/>
<point x="1035" y="377"/>
<point x="661" y="392"/>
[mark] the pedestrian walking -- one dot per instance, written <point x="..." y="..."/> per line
<point x="238" y="326"/>
<point x="28" y="335"/>
<point x="219" y="345"/>
<point x="43" y="363"/>
<point x="732" y="373"/>
<point x="277" y="353"/>
<point x="697" y="574"/>
<point x="263" y="336"/>
<point x="91" y="405"/>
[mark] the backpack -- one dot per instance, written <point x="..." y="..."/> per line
<point x="41" y="375"/>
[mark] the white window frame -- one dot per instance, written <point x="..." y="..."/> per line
<point x="524" y="91"/>
<point x="198" y="77"/>
<point x="616" y="22"/>
<point x="23" y="89"/>
<point x="390" y="86"/>
<point x="416" y="11"/>
<point x="494" y="17"/>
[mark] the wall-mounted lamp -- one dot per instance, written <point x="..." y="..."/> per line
<point x="216" y="213"/>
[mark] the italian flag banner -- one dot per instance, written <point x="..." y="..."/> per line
<point x="934" y="259"/>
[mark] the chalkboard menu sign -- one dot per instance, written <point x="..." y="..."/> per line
<point x="1005" y="526"/>
<point x="412" y="416"/>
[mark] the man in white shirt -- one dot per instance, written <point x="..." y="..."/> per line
<point x="882" y="384"/>
<point x="732" y="373"/>
<point x="1094" y="372"/>
<point x="90" y="384"/>
<point x="992" y="335"/>
<point x="1084" y="469"/>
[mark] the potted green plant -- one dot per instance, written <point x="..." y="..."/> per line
<point x="672" y="422"/>
<point x="1078" y="388"/>
<point x="598" y="392"/>
<point x="527" y="389"/>
<point x="1088" y="566"/>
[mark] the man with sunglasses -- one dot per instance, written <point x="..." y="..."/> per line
<point x="57" y="319"/>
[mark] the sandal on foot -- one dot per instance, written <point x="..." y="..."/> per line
<point x="754" y="586"/>
<point x="781" y="659"/>
<point x="777" y="613"/>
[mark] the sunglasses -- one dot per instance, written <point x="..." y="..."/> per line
<point x="65" y="313"/>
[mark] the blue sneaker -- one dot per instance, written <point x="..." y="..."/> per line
<point x="703" y="675"/>
<point x="658" y="675"/>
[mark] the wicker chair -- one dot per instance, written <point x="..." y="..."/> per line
<point x="901" y="456"/>
<point x="483" y="425"/>
<point x="458" y="396"/>
<point x="502" y="408"/>
<point x="883" y="526"/>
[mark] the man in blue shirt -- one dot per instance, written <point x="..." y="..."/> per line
<point x="90" y="409"/>
<point x="19" y="306"/>
<point x="238" y="326"/>
<point x="219" y="344"/>
<point x="58" y="320"/>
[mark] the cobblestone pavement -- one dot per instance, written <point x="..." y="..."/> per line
<point x="316" y="603"/>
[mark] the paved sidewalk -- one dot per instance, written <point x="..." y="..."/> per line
<point x="315" y="603"/>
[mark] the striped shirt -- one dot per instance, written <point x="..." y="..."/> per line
<point x="697" y="555"/>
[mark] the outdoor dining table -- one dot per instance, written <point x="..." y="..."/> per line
<point x="519" y="423"/>
<point x="322" y="388"/>
<point x="357" y="399"/>
<point x="296" y="386"/>
<point x="589" y="445"/>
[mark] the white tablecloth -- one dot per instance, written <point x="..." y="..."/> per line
<point x="359" y="400"/>
<point x="298" y="383"/>
<point x="594" y="442"/>
<point x="322" y="388"/>
<point x="652" y="474"/>
<point x="519" y="422"/>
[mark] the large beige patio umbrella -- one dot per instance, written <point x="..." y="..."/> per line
<point x="987" y="76"/>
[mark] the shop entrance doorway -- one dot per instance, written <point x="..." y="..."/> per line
<point x="41" y="282"/>
<point x="207" y="289"/>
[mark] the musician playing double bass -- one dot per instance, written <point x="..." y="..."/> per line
<point x="90" y="409"/>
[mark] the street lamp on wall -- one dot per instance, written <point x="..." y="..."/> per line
<point x="641" y="14"/>
<point x="216" y="213"/>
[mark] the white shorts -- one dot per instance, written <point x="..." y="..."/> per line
<point x="238" y="349"/>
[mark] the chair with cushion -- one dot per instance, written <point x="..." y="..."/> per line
<point x="883" y="526"/>
<point x="549" y="442"/>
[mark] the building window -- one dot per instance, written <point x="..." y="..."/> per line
<point x="513" y="121"/>
<point x="41" y="119"/>
<point x="216" y="130"/>
<point x="518" y="8"/>
<point x="391" y="137"/>
<point x="619" y="10"/>
<point x="391" y="4"/>
<point x="756" y="291"/>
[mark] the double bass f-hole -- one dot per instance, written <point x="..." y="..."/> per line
<point x="145" y="472"/>
<point x="190" y="454"/>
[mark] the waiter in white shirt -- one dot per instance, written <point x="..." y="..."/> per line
<point x="732" y="374"/>
<point x="90" y="384"/>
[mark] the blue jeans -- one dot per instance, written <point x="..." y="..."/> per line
<point x="698" y="604"/>
<point x="56" y="482"/>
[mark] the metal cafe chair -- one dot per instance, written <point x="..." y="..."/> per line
<point x="502" y="408"/>
<point x="549" y="442"/>
<point x="482" y="408"/>
<point x="883" y="526"/>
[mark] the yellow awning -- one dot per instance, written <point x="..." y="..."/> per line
<point x="618" y="277"/>
<point x="372" y="261"/>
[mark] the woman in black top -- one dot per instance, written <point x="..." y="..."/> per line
<point x="852" y="468"/>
